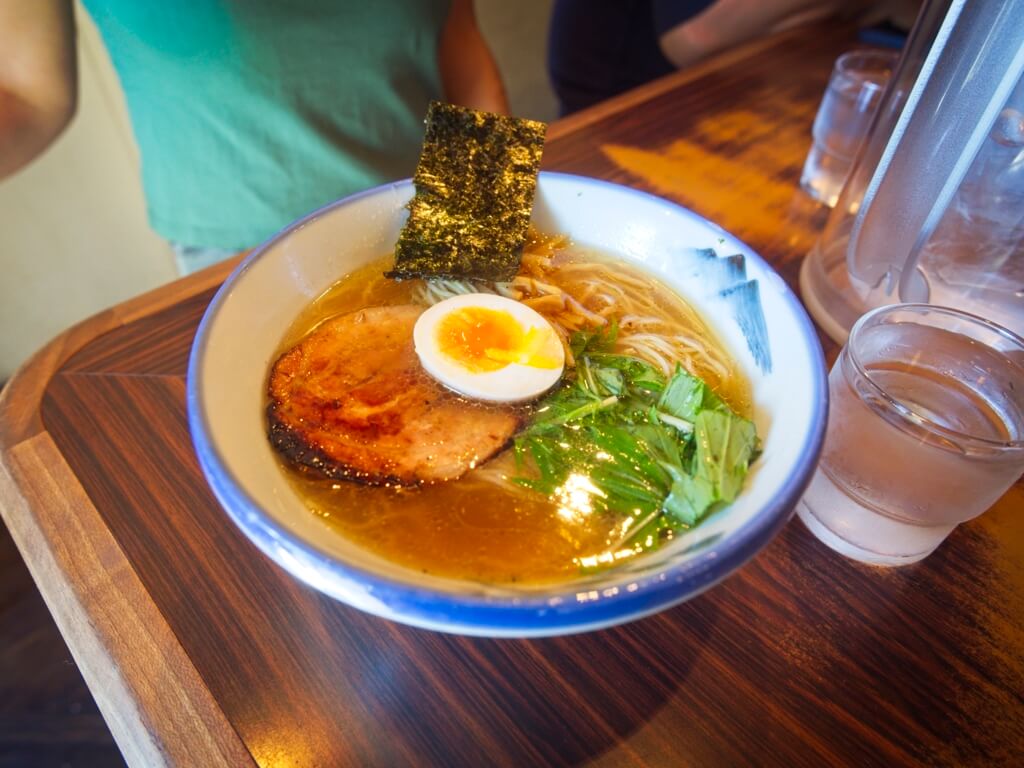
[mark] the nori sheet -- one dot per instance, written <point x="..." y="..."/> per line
<point x="475" y="183"/>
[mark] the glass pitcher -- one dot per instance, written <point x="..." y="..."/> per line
<point x="933" y="209"/>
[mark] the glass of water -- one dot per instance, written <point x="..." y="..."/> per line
<point x="847" y="108"/>
<point x="926" y="430"/>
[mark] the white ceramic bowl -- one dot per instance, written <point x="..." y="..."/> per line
<point x="745" y="301"/>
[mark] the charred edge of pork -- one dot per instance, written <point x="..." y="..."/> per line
<point x="302" y="455"/>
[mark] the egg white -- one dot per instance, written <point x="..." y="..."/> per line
<point x="511" y="384"/>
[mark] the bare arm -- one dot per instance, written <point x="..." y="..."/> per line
<point x="730" y="22"/>
<point x="38" y="77"/>
<point x="468" y="71"/>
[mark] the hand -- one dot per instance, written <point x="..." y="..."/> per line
<point x="731" y="22"/>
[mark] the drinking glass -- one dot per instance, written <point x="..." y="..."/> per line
<point x="926" y="430"/>
<point x="847" y="108"/>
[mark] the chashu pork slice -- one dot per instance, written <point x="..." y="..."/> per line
<point x="352" y="401"/>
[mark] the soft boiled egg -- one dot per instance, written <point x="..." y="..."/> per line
<point x="489" y="348"/>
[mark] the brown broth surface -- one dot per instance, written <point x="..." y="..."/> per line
<point x="478" y="527"/>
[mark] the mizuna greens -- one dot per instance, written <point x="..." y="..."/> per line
<point x="662" y="452"/>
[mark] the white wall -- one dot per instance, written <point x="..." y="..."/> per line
<point x="73" y="232"/>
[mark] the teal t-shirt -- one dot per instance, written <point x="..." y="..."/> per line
<point x="250" y="113"/>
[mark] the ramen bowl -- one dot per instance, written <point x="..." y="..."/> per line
<point x="746" y="303"/>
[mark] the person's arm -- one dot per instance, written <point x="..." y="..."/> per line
<point x="38" y="77"/>
<point x="730" y="22"/>
<point x="468" y="71"/>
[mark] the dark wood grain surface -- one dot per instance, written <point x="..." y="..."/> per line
<point x="48" y="718"/>
<point x="800" y="658"/>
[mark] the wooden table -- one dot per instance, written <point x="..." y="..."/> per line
<point x="200" y="652"/>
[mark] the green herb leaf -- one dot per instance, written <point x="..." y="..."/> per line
<point x="725" y="442"/>
<point x="598" y="339"/>
<point x="689" y="499"/>
<point x="685" y="396"/>
<point x="663" y="452"/>
<point x="640" y="374"/>
<point x="610" y="380"/>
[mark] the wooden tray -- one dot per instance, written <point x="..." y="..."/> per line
<point x="201" y="652"/>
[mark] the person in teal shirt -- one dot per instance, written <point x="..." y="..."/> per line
<point x="249" y="114"/>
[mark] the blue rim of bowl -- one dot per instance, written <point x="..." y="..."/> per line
<point x="508" y="614"/>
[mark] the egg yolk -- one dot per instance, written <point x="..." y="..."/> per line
<point x="482" y="339"/>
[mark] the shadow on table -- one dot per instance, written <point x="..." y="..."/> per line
<point x="553" y="701"/>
